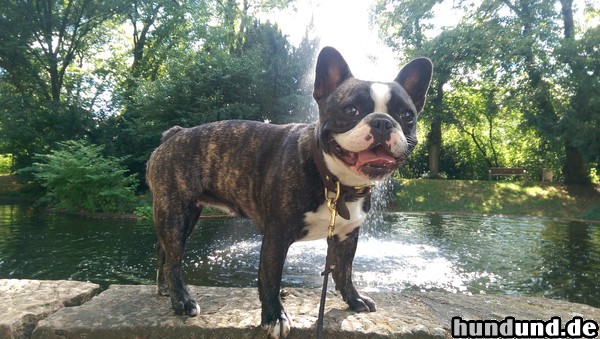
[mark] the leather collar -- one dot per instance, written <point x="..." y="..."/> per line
<point x="347" y="193"/>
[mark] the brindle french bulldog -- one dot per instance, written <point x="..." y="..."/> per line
<point x="276" y="175"/>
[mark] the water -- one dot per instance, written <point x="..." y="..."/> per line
<point x="402" y="251"/>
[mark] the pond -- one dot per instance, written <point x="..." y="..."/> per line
<point x="401" y="251"/>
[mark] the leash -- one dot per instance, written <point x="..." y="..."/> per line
<point x="331" y="205"/>
<point x="337" y="195"/>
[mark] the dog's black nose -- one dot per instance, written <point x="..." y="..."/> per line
<point x="381" y="125"/>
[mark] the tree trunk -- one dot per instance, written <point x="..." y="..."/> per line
<point x="574" y="168"/>
<point x="435" y="146"/>
<point x="434" y="139"/>
<point x="567" y="13"/>
<point x="55" y="81"/>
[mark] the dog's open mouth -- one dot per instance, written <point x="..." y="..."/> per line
<point x="375" y="161"/>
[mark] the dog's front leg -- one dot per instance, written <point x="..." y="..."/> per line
<point x="275" y="320"/>
<point x="342" y="257"/>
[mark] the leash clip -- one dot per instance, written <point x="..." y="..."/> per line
<point x="331" y="205"/>
<point x="364" y="189"/>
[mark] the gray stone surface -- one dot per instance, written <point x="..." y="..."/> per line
<point x="137" y="311"/>
<point x="24" y="302"/>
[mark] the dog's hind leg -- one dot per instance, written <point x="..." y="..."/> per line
<point x="174" y="225"/>
<point x="163" y="287"/>
<point x="161" y="283"/>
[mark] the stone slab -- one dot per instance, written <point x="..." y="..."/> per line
<point x="137" y="311"/>
<point x="25" y="302"/>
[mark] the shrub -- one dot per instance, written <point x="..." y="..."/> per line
<point x="5" y="163"/>
<point x="77" y="177"/>
<point x="144" y="212"/>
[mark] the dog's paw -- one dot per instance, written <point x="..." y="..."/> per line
<point x="187" y="307"/>
<point x="362" y="304"/>
<point x="279" y="328"/>
<point x="162" y="290"/>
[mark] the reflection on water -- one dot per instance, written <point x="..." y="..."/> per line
<point x="461" y="254"/>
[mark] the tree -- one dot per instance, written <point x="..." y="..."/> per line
<point x="585" y="102"/>
<point x="405" y="26"/>
<point x="162" y="28"/>
<point x="262" y="80"/>
<point x="528" y="50"/>
<point x="236" y="19"/>
<point x="454" y="53"/>
<point x="40" y="40"/>
<point x="479" y="114"/>
<point x="283" y="94"/>
<point x="581" y="111"/>
<point x="544" y="51"/>
<point x="48" y="34"/>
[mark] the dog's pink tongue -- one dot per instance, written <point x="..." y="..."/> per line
<point x="377" y="157"/>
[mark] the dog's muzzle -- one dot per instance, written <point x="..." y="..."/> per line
<point x="375" y="161"/>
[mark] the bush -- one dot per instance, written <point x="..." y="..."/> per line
<point x="5" y="163"/>
<point x="77" y="177"/>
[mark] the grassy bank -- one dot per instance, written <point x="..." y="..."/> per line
<point x="498" y="197"/>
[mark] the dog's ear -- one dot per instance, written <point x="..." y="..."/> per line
<point x="415" y="78"/>
<point x="331" y="71"/>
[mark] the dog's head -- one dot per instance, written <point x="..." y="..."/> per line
<point x="367" y="129"/>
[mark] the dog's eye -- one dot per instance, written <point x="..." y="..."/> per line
<point x="407" y="116"/>
<point x="351" y="111"/>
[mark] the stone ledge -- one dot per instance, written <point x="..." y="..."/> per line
<point x="137" y="311"/>
<point x="23" y="303"/>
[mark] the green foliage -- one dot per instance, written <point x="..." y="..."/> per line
<point x="5" y="163"/>
<point x="30" y="128"/>
<point x="119" y="73"/>
<point x="46" y="92"/>
<point x="77" y="177"/>
<point x="580" y="101"/>
<point x="264" y="80"/>
<point x="515" y="82"/>
<point x="144" y="212"/>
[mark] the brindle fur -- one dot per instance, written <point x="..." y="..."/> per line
<point x="217" y="173"/>
<point x="264" y="172"/>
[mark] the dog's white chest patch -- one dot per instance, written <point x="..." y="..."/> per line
<point x="318" y="222"/>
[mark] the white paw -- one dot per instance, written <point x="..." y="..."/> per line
<point x="281" y="328"/>
<point x="197" y="312"/>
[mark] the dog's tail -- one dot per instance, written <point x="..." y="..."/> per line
<point x="170" y="132"/>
